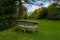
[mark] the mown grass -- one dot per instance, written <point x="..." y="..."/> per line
<point x="47" y="30"/>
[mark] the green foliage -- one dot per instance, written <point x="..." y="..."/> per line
<point x="43" y="13"/>
<point x="54" y="12"/>
<point x="40" y="13"/>
<point x="35" y="14"/>
<point x="7" y="6"/>
<point x="24" y="16"/>
<point x="7" y="14"/>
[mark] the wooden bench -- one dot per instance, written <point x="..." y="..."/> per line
<point x="27" y="24"/>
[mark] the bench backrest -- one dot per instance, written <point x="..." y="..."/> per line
<point x="27" y="23"/>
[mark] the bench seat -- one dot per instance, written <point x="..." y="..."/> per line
<point x="27" y="24"/>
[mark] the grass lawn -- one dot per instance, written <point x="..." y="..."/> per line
<point x="47" y="30"/>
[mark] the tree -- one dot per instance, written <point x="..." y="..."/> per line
<point x="36" y="13"/>
<point x="43" y="14"/>
<point x="52" y="12"/>
<point x="7" y="14"/>
<point x="21" y="8"/>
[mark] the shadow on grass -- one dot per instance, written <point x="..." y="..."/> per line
<point x="29" y="34"/>
<point x="18" y="30"/>
<point x="7" y="28"/>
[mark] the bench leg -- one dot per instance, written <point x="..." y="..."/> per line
<point x="33" y="30"/>
<point x="24" y="30"/>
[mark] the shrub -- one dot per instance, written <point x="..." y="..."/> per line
<point x="7" y="14"/>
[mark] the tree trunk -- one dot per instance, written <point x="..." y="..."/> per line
<point x="20" y="10"/>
